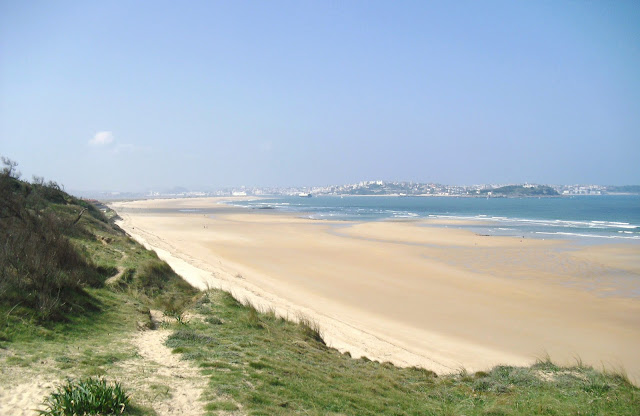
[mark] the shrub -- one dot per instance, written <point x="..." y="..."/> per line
<point x="40" y="270"/>
<point x="152" y="275"/>
<point x="90" y="396"/>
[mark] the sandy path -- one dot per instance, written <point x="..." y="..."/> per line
<point x="25" y="398"/>
<point x="184" y="381"/>
<point x="405" y="292"/>
<point x="178" y="385"/>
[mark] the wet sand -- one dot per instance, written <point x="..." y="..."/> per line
<point x="410" y="292"/>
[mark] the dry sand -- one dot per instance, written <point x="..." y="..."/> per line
<point x="408" y="292"/>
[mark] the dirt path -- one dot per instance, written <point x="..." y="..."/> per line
<point x="123" y="256"/>
<point x="183" y="382"/>
<point x="156" y="379"/>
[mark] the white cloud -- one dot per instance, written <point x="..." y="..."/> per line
<point x="102" y="138"/>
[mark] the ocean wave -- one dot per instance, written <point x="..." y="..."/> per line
<point x="546" y="223"/>
<point x="406" y="215"/>
<point x="500" y="222"/>
<point x="589" y="235"/>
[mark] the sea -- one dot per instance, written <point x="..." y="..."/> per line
<point x="588" y="219"/>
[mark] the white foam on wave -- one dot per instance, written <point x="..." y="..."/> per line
<point x="405" y="215"/>
<point x="569" y="223"/>
<point x="589" y="235"/>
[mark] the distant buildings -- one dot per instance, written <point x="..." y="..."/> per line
<point x="581" y="189"/>
<point x="377" y="187"/>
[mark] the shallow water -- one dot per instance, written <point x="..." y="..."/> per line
<point x="586" y="218"/>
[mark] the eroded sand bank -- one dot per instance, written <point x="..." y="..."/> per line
<point x="408" y="292"/>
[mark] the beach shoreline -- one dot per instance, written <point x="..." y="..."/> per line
<point x="404" y="291"/>
<point x="601" y="221"/>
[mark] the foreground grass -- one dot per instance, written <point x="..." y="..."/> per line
<point x="265" y="365"/>
<point x="90" y="396"/>
<point x="95" y="344"/>
<point x="259" y="364"/>
<point x="88" y="344"/>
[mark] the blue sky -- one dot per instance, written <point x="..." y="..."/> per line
<point x="141" y="95"/>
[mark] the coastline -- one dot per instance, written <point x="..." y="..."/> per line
<point x="583" y="220"/>
<point x="402" y="291"/>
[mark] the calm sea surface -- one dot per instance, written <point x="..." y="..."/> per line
<point x="585" y="218"/>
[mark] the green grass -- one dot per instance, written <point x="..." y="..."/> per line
<point x="88" y="396"/>
<point x="268" y="366"/>
<point x="93" y="345"/>
<point x="86" y="344"/>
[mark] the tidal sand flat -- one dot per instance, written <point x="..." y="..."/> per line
<point x="410" y="292"/>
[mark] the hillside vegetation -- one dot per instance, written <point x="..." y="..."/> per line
<point x="76" y="294"/>
<point x="56" y="250"/>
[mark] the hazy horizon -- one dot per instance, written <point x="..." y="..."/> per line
<point x="205" y="95"/>
<point x="178" y="189"/>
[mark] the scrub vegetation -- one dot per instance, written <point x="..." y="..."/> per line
<point x="56" y="248"/>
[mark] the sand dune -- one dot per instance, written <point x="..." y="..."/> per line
<point x="407" y="291"/>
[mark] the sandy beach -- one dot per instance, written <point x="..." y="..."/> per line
<point x="409" y="292"/>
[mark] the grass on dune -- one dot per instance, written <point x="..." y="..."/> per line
<point x="266" y="365"/>
<point x="94" y="346"/>
<point x="85" y="344"/>
<point x="74" y="289"/>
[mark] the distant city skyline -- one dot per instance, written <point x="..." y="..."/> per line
<point x="365" y="188"/>
<point x="151" y="95"/>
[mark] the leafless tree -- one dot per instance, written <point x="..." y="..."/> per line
<point x="38" y="180"/>
<point x="9" y="168"/>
